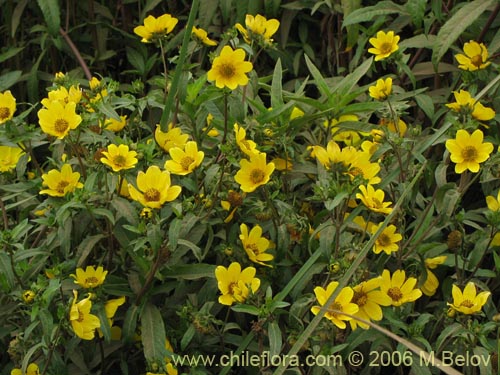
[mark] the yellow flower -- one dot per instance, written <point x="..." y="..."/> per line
<point x="229" y="69"/>
<point x="468" y="150"/>
<point x="60" y="183"/>
<point x="384" y="45"/>
<point x="156" y="28"/>
<point x="9" y="157"/>
<point x="154" y="188"/>
<point x="83" y="322"/>
<point x="468" y="302"/>
<point x="234" y="200"/>
<point x="476" y="56"/>
<point x="111" y="306"/>
<point x="432" y="263"/>
<point x="341" y="304"/>
<point x="32" y="369"/>
<point x="359" y="164"/>
<point x="282" y="164"/>
<point x="184" y="161"/>
<point x="382" y="89"/>
<point x="369" y="298"/>
<point x="296" y="113"/>
<point x="255" y="245"/>
<point x="119" y="157"/>
<point x="235" y="284"/>
<point x="349" y="137"/>
<point x="398" y="288"/>
<point x="113" y="124"/>
<point x="492" y="202"/>
<point x="374" y="199"/>
<point x="387" y="240"/>
<point x="202" y="36"/>
<point x="431" y="283"/>
<point x="58" y="119"/>
<point x="28" y="296"/>
<point x="400" y="128"/>
<point x="172" y="138"/>
<point x="254" y="173"/>
<point x="7" y="106"/>
<point x="91" y="277"/>
<point x="248" y="146"/>
<point x="258" y="28"/>
<point x="466" y="104"/>
<point x="64" y="96"/>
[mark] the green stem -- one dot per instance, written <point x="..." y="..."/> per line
<point x="182" y="57"/>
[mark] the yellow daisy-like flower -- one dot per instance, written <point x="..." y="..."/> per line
<point x="258" y="28"/>
<point x="431" y="283"/>
<point x="398" y="288"/>
<point x="341" y="304"/>
<point x="387" y="240"/>
<point x="63" y="95"/>
<point x="432" y="263"/>
<point x="468" y="302"/>
<point x="62" y="182"/>
<point x="184" y="161"/>
<point x="492" y="202"/>
<point x="114" y="125"/>
<point x="229" y="69"/>
<point x="374" y="199"/>
<point x="202" y="36"/>
<point x="348" y="137"/>
<point x="248" y="146"/>
<point x="384" y="45"/>
<point x="9" y="157"/>
<point x="154" y="188"/>
<point x="174" y="137"/>
<point x="466" y="104"/>
<point x="119" y="157"/>
<point x="475" y="58"/>
<point x="369" y="298"/>
<point x="235" y="284"/>
<point x="282" y="164"/>
<point x="296" y="113"/>
<point x="255" y="245"/>
<point x="91" y="277"/>
<point x="7" y="106"/>
<point x="382" y="89"/>
<point x="254" y="173"/>
<point x="468" y="150"/>
<point x="28" y="296"/>
<point x="83" y="322"/>
<point x="156" y="28"/>
<point x="32" y="369"/>
<point x="400" y="128"/>
<point x="58" y="118"/>
<point x="359" y="164"/>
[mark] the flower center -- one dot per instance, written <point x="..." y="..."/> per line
<point x="4" y="113"/>
<point x="386" y="47"/>
<point x="376" y="203"/>
<point x="186" y="162"/>
<point x="91" y="281"/>
<point x="252" y="247"/>
<point x="257" y="176"/>
<point x="152" y="195"/>
<point x="360" y="298"/>
<point x="395" y="293"/>
<point x="61" y="186"/>
<point x="477" y="60"/>
<point x="81" y="317"/>
<point x="226" y="70"/>
<point x="335" y="306"/>
<point x="120" y="160"/>
<point x="469" y="153"/>
<point x="61" y="125"/>
<point x="467" y="303"/>
<point x="356" y="171"/>
<point x="384" y="240"/>
<point x="232" y="287"/>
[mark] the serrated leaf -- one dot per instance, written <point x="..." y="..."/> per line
<point x="124" y="209"/>
<point x="51" y="14"/>
<point x="368" y="13"/>
<point x="153" y="334"/>
<point x="455" y="26"/>
<point x="130" y="323"/>
<point x="85" y="247"/>
<point x="276" y="87"/>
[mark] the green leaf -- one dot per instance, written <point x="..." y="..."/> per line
<point x="276" y="88"/>
<point x="456" y="25"/>
<point x="51" y="14"/>
<point x="275" y="339"/>
<point x="130" y="323"/>
<point x="124" y="209"/>
<point x="11" y="52"/>
<point x="16" y="16"/>
<point x="346" y="85"/>
<point x="105" y="328"/>
<point x="246" y="309"/>
<point x="85" y="247"/>
<point x="191" y="271"/>
<point x="318" y="78"/>
<point x="368" y="13"/>
<point x="425" y="104"/>
<point x="153" y="334"/>
<point x="9" y="79"/>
